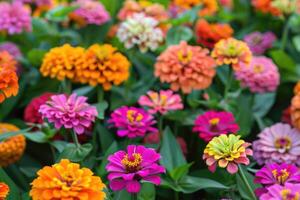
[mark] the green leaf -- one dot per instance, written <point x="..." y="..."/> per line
<point x="177" y="34"/>
<point x="244" y="192"/>
<point x="162" y="2"/>
<point x="83" y="91"/>
<point x="296" y="42"/>
<point x="170" y="151"/>
<point x="179" y="172"/>
<point x="38" y="137"/>
<point x="101" y="107"/>
<point x="263" y="103"/>
<point x="35" y="56"/>
<point x="244" y="116"/>
<point x="112" y="6"/>
<point x="112" y="149"/>
<point x="106" y="138"/>
<point x="15" y="193"/>
<point x="60" y="13"/>
<point x="3" y="136"/>
<point x="122" y="195"/>
<point x="76" y="154"/>
<point x="59" y="145"/>
<point x="147" y="192"/>
<point x="283" y="61"/>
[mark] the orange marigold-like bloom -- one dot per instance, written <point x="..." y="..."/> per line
<point x="4" y="190"/>
<point x="185" y="67"/>
<point x="60" y="62"/>
<point x="295" y="111"/>
<point x="266" y="6"/>
<point x="7" y="61"/>
<point x="187" y="4"/>
<point x="9" y="85"/>
<point x="12" y="148"/>
<point x="103" y="65"/>
<point x="231" y="51"/>
<point x="209" y="7"/>
<point x="66" y="180"/>
<point x="209" y="34"/>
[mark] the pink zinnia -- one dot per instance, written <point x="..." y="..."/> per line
<point x="260" y="42"/>
<point x="11" y="48"/>
<point x="261" y="75"/>
<point x="132" y="122"/>
<point x="272" y="174"/>
<point x="31" y="113"/>
<point x="278" y="192"/>
<point x="213" y="123"/>
<point x="14" y="18"/>
<point x="162" y="101"/>
<point x="91" y="12"/>
<point x="127" y="169"/>
<point x="278" y="144"/>
<point x="70" y="112"/>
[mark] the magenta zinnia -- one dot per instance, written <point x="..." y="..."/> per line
<point x="70" y="112"/>
<point x="127" y="169"/>
<point x="272" y="174"/>
<point x="213" y="123"/>
<point x="278" y="192"/>
<point x="227" y="151"/>
<point x="132" y="122"/>
<point x="161" y="102"/>
<point x="277" y="144"/>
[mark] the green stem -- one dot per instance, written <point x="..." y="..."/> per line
<point x="176" y="196"/>
<point x="160" y="126"/>
<point x="241" y="173"/>
<point x="285" y="34"/>
<point x="134" y="196"/>
<point x="100" y="94"/>
<point x="228" y="85"/>
<point x="75" y="139"/>
<point x="67" y="86"/>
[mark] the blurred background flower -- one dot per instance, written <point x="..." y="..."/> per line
<point x="260" y="42"/>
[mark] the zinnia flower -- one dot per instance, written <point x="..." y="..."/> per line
<point x="295" y="111"/>
<point x="12" y="148"/>
<point x="227" y="151"/>
<point x="132" y="122"/>
<point x="66" y="180"/>
<point x="209" y="7"/>
<point x="265" y="6"/>
<point x="297" y="88"/>
<point x="260" y="42"/>
<point x="261" y="75"/>
<point x="60" y="62"/>
<point x="127" y="169"/>
<point x="142" y="31"/>
<point x="285" y="6"/>
<point x="9" y="85"/>
<point x="162" y="101"/>
<point x="277" y="144"/>
<point x="89" y="12"/>
<point x="212" y="123"/>
<point x="209" y="34"/>
<point x="272" y="174"/>
<point x="185" y="67"/>
<point x="71" y="112"/>
<point x="231" y="51"/>
<point x="31" y="112"/>
<point x="14" y="18"/>
<point x="7" y="61"/>
<point x="278" y="192"/>
<point x="103" y="65"/>
<point x="11" y="48"/>
<point x="4" y="190"/>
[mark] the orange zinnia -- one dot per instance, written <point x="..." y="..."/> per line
<point x="266" y="6"/>
<point x="66" y="180"/>
<point x="7" y="61"/>
<point x="209" y="34"/>
<point x="9" y="85"/>
<point x="209" y="7"/>
<point x="4" y="190"/>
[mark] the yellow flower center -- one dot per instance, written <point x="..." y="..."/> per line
<point x="163" y="100"/>
<point x="281" y="176"/>
<point x="132" y="162"/>
<point x="258" y="69"/>
<point x="283" y="144"/>
<point x="65" y="182"/>
<point x="184" y="57"/>
<point x="133" y="116"/>
<point x="214" y="121"/>
<point x="286" y="194"/>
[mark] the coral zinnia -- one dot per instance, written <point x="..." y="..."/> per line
<point x="278" y="192"/>
<point x="227" y="151"/>
<point x="209" y="34"/>
<point x="212" y="123"/>
<point x="4" y="190"/>
<point x="127" y="169"/>
<point x="261" y="75"/>
<point x="132" y="122"/>
<point x="142" y="31"/>
<point x="60" y="62"/>
<point x="231" y="51"/>
<point x="273" y="173"/>
<point x="71" y="112"/>
<point x="31" y="113"/>
<point x="185" y="67"/>
<point x="277" y="144"/>
<point x="9" y="85"/>
<point x="162" y="101"/>
<point x="66" y="180"/>
<point x="103" y="65"/>
<point x="295" y="111"/>
<point x="12" y="148"/>
<point x="260" y="42"/>
<point x="7" y="61"/>
<point x="265" y="6"/>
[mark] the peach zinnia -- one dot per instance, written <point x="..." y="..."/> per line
<point x="185" y="67"/>
<point x="232" y="51"/>
<point x="66" y="180"/>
